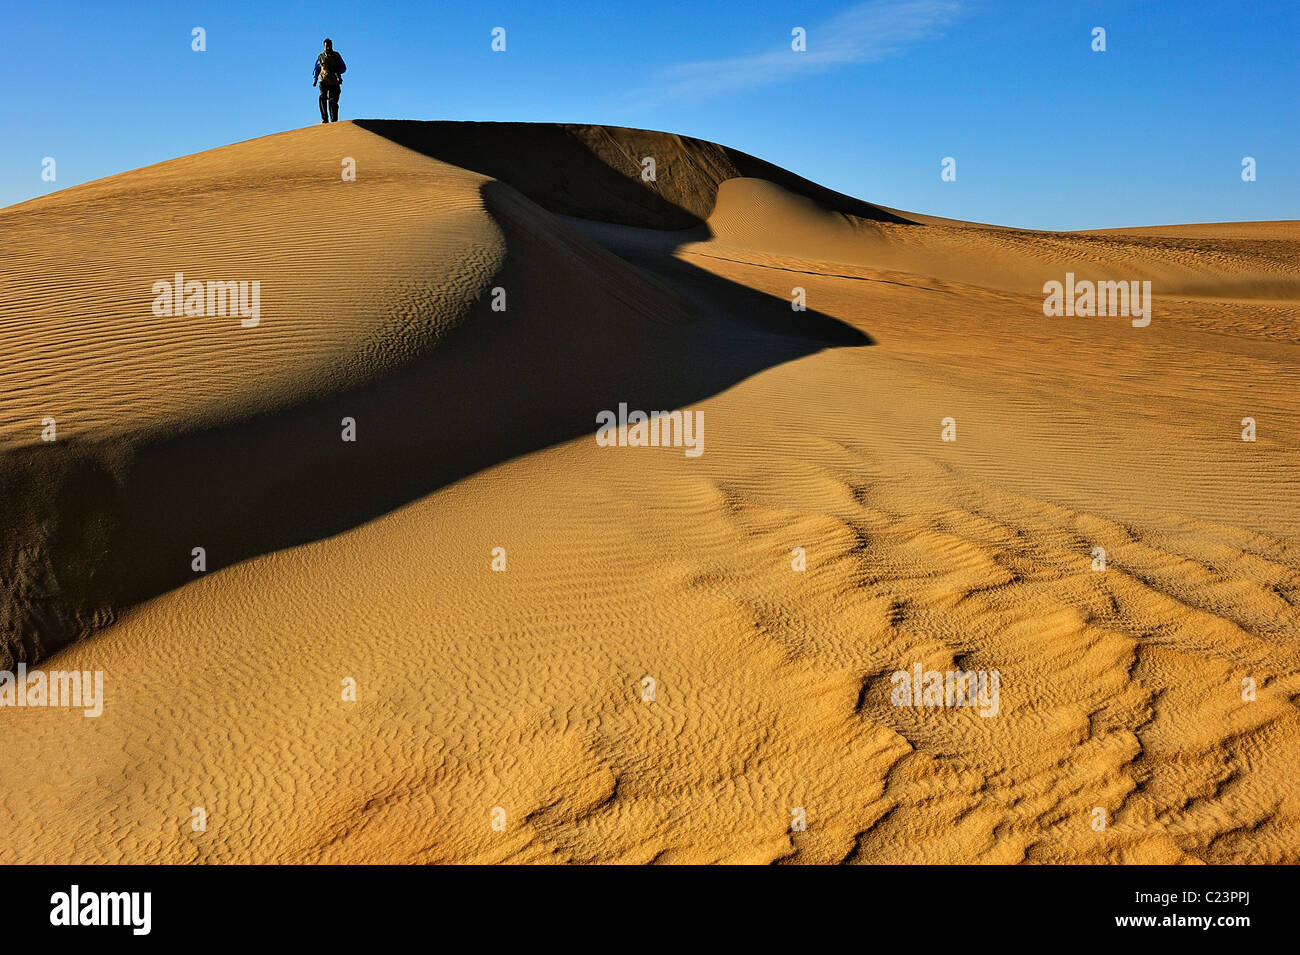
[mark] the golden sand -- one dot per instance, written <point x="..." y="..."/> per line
<point x="516" y="696"/>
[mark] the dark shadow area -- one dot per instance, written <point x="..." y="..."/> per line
<point x="61" y="506"/>
<point x="95" y="527"/>
<point x="653" y="252"/>
<point x="595" y="172"/>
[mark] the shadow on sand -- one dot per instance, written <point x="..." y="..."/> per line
<point x="94" y="528"/>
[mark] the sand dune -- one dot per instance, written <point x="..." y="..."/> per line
<point x="521" y="691"/>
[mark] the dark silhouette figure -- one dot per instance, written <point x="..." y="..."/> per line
<point x="328" y="73"/>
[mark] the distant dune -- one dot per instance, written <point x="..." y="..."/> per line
<point x="517" y="695"/>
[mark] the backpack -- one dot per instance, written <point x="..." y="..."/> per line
<point x="329" y="72"/>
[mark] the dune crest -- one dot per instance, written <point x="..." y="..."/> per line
<point x="1067" y="502"/>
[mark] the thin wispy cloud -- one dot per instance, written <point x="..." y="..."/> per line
<point x="861" y="34"/>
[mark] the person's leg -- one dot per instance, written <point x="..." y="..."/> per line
<point x="334" y="103"/>
<point x="324" y="98"/>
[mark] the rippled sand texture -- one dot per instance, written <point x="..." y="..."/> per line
<point x="521" y="690"/>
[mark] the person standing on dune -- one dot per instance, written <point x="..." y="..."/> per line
<point x="329" y="74"/>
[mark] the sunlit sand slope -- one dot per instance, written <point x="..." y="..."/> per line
<point x="355" y="277"/>
<point x="826" y="539"/>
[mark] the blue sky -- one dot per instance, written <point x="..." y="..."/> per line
<point x="1046" y="132"/>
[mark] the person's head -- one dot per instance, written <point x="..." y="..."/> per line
<point x="329" y="44"/>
